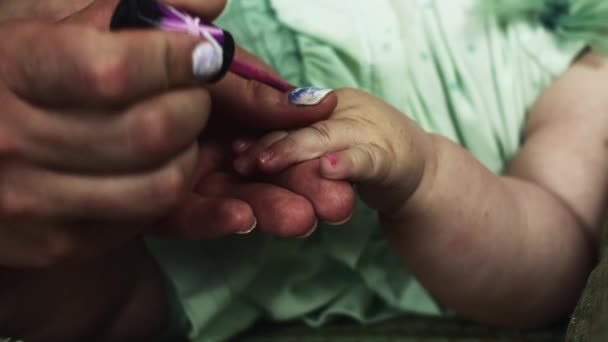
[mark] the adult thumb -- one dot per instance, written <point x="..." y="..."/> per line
<point x="98" y="14"/>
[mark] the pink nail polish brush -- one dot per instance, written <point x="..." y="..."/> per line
<point x="149" y="13"/>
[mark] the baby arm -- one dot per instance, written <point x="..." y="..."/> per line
<point x="510" y="250"/>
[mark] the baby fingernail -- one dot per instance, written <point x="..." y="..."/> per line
<point x="265" y="156"/>
<point x="308" y="96"/>
<point x="240" y="146"/>
<point x="255" y="223"/>
<point x="207" y="59"/>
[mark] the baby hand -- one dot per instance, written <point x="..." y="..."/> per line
<point x="365" y="141"/>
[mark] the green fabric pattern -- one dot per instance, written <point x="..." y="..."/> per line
<point x="581" y="20"/>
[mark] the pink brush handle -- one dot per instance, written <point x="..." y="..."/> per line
<point x="249" y="71"/>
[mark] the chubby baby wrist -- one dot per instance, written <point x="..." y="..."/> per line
<point x="418" y="187"/>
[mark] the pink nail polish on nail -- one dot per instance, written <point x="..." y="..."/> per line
<point x="333" y="160"/>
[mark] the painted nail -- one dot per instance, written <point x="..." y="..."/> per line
<point x="308" y="96"/>
<point x="312" y="230"/>
<point x="245" y="232"/>
<point x="332" y="159"/>
<point x="207" y="60"/>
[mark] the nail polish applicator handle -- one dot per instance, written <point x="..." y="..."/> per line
<point x="134" y="14"/>
<point x="150" y="14"/>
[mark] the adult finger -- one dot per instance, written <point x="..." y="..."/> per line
<point x="333" y="200"/>
<point x="252" y="104"/>
<point x="32" y="192"/>
<point x="200" y="217"/>
<point x="101" y="68"/>
<point x="207" y="10"/>
<point x="147" y="134"/>
<point x="99" y="13"/>
<point x="277" y="210"/>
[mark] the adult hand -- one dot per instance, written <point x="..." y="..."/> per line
<point x="91" y="12"/>
<point x="286" y="204"/>
<point x="95" y="127"/>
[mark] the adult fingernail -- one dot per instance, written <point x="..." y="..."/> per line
<point x="207" y="59"/>
<point x="308" y="96"/>
<point x="312" y="230"/>
<point x="339" y="223"/>
<point x="255" y="223"/>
